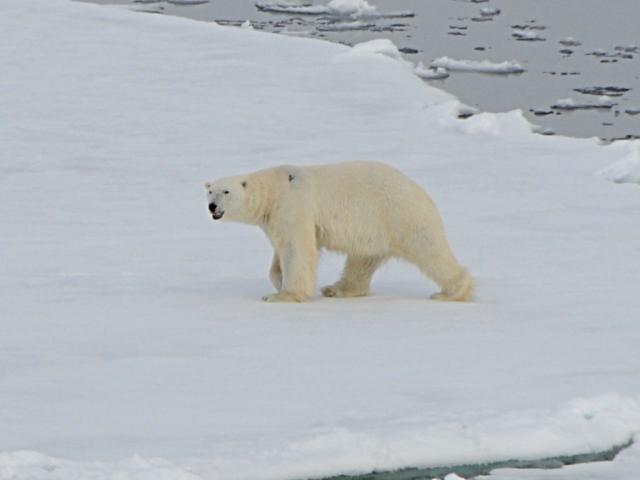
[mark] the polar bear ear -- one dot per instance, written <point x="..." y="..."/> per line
<point x="207" y="185"/>
<point x="244" y="184"/>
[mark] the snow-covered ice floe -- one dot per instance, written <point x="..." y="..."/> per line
<point x="526" y="35"/>
<point x="569" y="42"/>
<point x="489" y="11"/>
<point x="338" y="8"/>
<point x="604" y="102"/>
<point x="481" y="66"/>
<point x="431" y="73"/>
<point x="134" y="344"/>
<point x="344" y="26"/>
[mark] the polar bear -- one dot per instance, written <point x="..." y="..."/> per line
<point x="367" y="210"/>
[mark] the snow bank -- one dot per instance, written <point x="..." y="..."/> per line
<point x="134" y="344"/>
<point x="482" y="66"/>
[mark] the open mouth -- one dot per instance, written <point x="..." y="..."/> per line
<point x="217" y="215"/>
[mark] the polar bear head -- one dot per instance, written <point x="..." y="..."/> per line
<point x="227" y="198"/>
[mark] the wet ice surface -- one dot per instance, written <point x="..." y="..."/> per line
<point x="558" y="44"/>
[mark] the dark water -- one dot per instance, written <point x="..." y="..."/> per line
<point x="456" y="28"/>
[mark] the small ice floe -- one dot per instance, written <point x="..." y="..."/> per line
<point x="625" y="170"/>
<point x="247" y="25"/>
<point x="408" y="50"/>
<point x="527" y="36"/>
<point x="632" y="111"/>
<point x="566" y="51"/>
<point x="598" y="52"/>
<point x="482" y="66"/>
<point x="609" y="91"/>
<point x="529" y="26"/>
<point x="539" y="112"/>
<point x="431" y="73"/>
<point x="489" y="11"/>
<point x="344" y="26"/>
<point x="187" y="2"/>
<point x="627" y="49"/>
<point x="570" y="42"/>
<point x="353" y="9"/>
<point x="603" y="102"/>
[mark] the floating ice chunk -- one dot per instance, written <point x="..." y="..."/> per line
<point x="431" y="73"/>
<point x="611" y="91"/>
<point x="626" y="170"/>
<point x="344" y="26"/>
<point x="632" y="111"/>
<point x="352" y="8"/>
<point x="526" y="35"/>
<point x="628" y="48"/>
<point x="482" y="66"/>
<point x="247" y="24"/>
<point x="569" y="104"/>
<point x="599" y="52"/>
<point x="336" y="8"/>
<point x="489" y="11"/>
<point x="569" y="42"/>
<point x="188" y="2"/>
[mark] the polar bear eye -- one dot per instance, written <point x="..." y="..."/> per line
<point x="226" y="192"/>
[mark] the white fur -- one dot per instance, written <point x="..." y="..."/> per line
<point x="368" y="211"/>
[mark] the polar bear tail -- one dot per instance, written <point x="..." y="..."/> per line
<point x="460" y="288"/>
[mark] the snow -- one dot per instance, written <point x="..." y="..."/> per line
<point x="134" y="344"/>
<point x="627" y="169"/>
<point x="482" y="66"/>
<point x="354" y="9"/>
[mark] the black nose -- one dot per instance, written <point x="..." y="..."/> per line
<point x="212" y="207"/>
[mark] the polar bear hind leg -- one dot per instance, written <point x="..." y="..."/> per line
<point x="356" y="277"/>
<point x="455" y="282"/>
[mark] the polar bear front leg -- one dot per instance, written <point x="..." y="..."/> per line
<point x="275" y="273"/>
<point x="298" y="261"/>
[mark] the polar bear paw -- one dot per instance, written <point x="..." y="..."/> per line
<point x="284" y="297"/>
<point x="339" y="292"/>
